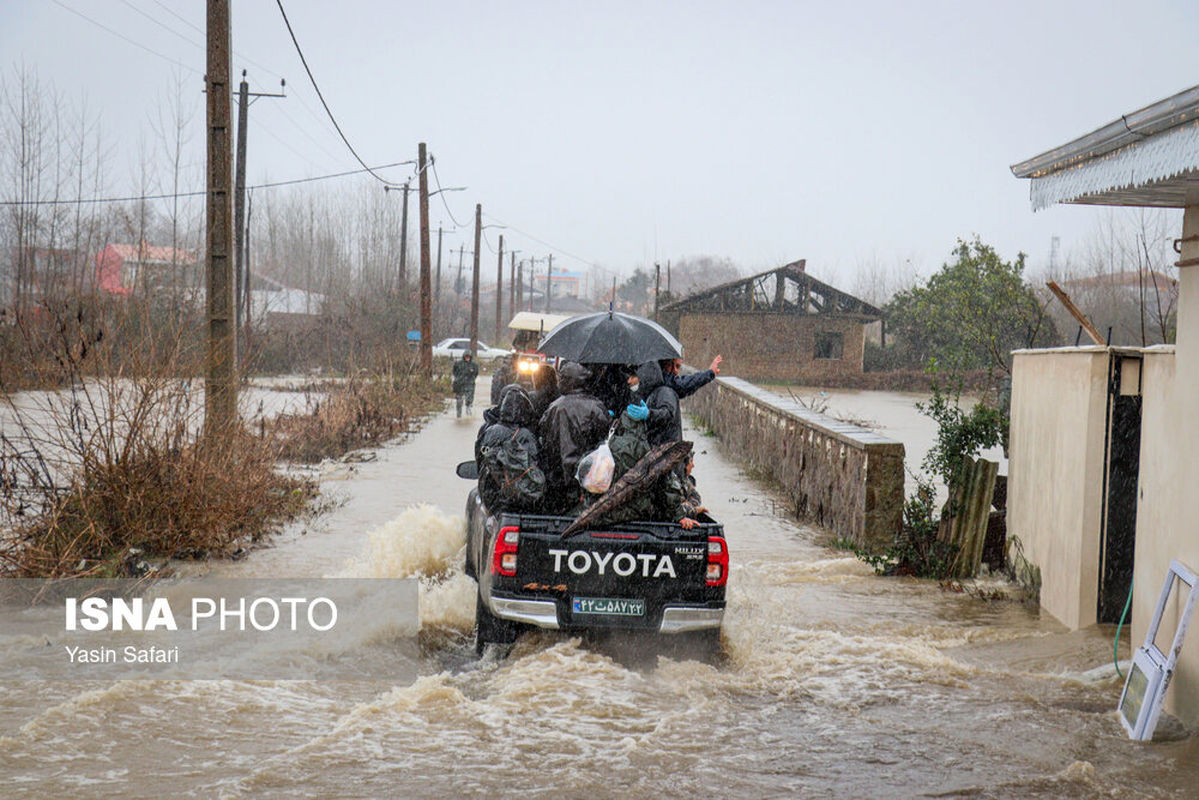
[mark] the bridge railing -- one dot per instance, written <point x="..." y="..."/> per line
<point x="847" y="479"/>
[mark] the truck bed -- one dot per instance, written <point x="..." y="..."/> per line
<point x="641" y="576"/>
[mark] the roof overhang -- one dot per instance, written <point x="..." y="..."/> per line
<point x="1147" y="158"/>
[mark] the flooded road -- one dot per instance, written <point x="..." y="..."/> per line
<point x="832" y="683"/>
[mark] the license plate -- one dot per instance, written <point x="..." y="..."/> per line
<point x="609" y="606"/>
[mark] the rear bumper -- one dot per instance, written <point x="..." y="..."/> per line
<point x="680" y="619"/>
<point x="544" y="614"/>
<point x="541" y="613"/>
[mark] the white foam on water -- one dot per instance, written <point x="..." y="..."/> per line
<point x="423" y="541"/>
<point x="829" y="569"/>
<point x="426" y="543"/>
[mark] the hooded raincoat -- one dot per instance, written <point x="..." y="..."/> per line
<point x="665" y="423"/>
<point x="572" y="426"/>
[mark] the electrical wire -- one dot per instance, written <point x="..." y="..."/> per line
<point x="163" y="25"/>
<point x="332" y="118"/>
<point x="119" y="35"/>
<point x="302" y="129"/>
<point x="297" y="97"/>
<point x="202" y="32"/>
<point x="555" y="248"/>
<point x="136" y="198"/>
<point x="441" y="192"/>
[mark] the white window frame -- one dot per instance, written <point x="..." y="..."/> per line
<point x="1145" y="687"/>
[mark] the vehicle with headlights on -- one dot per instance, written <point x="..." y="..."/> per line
<point x="528" y="328"/>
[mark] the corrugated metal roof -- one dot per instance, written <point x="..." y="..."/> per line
<point x="1144" y="173"/>
<point x="1146" y="158"/>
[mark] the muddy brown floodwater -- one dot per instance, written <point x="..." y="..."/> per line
<point x="832" y="683"/>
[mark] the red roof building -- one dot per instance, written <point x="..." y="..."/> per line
<point x="123" y="268"/>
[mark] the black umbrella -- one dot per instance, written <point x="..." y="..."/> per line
<point x="609" y="337"/>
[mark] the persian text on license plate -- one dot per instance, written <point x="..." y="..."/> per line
<point x="613" y="606"/>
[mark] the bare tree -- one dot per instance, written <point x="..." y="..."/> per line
<point x="1124" y="278"/>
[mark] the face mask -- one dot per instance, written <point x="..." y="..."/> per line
<point x="634" y="387"/>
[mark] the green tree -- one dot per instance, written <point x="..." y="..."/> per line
<point x="971" y="314"/>
<point x="635" y="290"/>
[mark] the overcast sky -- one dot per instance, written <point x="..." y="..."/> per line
<point x="620" y="132"/>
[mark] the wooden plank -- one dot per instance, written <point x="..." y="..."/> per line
<point x="1075" y="312"/>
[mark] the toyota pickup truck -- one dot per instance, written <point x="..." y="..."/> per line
<point x="635" y="576"/>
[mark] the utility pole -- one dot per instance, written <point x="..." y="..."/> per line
<point x="458" y="283"/>
<point x="239" y="196"/>
<point x="458" y="289"/>
<point x="520" y="286"/>
<point x="499" y="291"/>
<point x="437" y="288"/>
<point x="512" y="307"/>
<point x="426" y="290"/>
<point x="240" y="245"/>
<point x="246" y="328"/>
<point x="549" y="286"/>
<point x="220" y="387"/>
<point x="404" y="241"/>
<point x="474" y="284"/>
<point x="657" y="287"/>
<point x="669" y="291"/>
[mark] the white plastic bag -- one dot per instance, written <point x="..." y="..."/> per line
<point x="595" y="470"/>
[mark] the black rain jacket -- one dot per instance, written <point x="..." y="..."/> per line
<point x="664" y="423"/>
<point x="465" y="373"/>
<point x="573" y="425"/>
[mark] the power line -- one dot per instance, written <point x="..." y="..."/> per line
<point x="202" y="32"/>
<point x="136" y="198"/>
<point x="163" y="25"/>
<point x="555" y="248"/>
<point x="332" y="119"/>
<point x="441" y="193"/>
<point x="301" y="128"/>
<point x="126" y="38"/>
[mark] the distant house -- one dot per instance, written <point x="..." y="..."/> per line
<point x="1129" y="302"/>
<point x="276" y="305"/>
<point x="563" y="283"/>
<point x="126" y="269"/>
<point x="782" y="325"/>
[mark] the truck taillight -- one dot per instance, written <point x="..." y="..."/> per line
<point x="718" y="561"/>
<point x="503" y="560"/>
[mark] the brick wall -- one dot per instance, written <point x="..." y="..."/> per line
<point x="768" y="346"/>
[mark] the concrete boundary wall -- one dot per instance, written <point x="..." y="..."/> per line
<point x="844" y="478"/>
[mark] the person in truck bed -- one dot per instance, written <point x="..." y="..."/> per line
<point x="509" y="476"/>
<point x="665" y="423"/>
<point x="686" y="385"/>
<point x="571" y="427"/>
<point x="667" y="499"/>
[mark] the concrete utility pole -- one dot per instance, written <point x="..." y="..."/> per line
<point x="240" y="243"/>
<point x="404" y="241"/>
<point x="512" y="282"/>
<point x="549" y="286"/>
<point x="458" y="282"/>
<point x="657" y="287"/>
<point x="220" y="386"/>
<point x="247" y="297"/>
<point x="239" y="196"/>
<point x="520" y="286"/>
<point x="437" y="288"/>
<point x="499" y="291"/>
<point x="474" y="284"/>
<point x="426" y="290"/>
